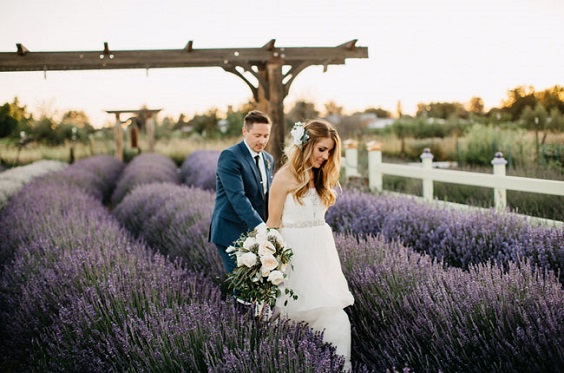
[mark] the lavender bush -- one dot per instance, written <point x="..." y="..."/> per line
<point x="457" y="238"/>
<point x="198" y="169"/>
<point x="174" y="220"/>
<point x="14" y="179"/>
<point x="144" y="169"/>
<point x="96" y="175"/>
<point x="412" y="312"/>
<point x="80" y="294"/>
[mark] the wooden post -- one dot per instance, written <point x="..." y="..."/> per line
<point x="427" y="160"/>
<point x="500" y="194"/>
<point x="119" y="138"/>
<point x="374" y="159"/>
<point x="150" y="123"/>
<point x="276" y="111"/>
<point x="351" y="158"/>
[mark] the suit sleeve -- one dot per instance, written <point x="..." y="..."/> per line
<point x="232" y="175"/>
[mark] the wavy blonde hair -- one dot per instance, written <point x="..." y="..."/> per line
<point x="327" y="176"/>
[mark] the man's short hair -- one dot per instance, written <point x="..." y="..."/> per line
<point x="255" y="116"/>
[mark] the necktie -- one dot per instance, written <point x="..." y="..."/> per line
<point x="257" y="158"/>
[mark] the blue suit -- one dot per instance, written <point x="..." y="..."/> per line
<point x="240" y="203"/>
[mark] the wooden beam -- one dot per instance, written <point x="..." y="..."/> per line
<point x="23" y="60"/>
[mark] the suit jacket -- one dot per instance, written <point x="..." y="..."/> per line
<point x="240" y="203"/>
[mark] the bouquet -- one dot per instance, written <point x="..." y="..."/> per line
<point x="262" y="258"/>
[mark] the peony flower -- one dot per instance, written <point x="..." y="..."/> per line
<point x="269" y="262"/>
<point x="247" y="259"/>
<point x="249" y="242"/>
<point x="274" y="233"/>
<point x="276" y="277"/>
<point x="266" y="248"/>
<point x="265" y="272"/>
<point x="299" y="134"/>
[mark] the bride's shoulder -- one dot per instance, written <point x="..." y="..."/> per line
<point x="285" y="177"/>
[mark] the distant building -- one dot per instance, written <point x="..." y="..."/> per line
<point x="371" y="121"/>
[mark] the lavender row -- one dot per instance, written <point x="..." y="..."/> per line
<point x="457" y="238"/>
<point x="402" y="298"/>
<point x="144" y="169"/>
<point x="173" y="219"/>
<point x="80" y="294"/>
<point x="12" y="180"/>
<point x="95" y="175"/>
<point x="411" y="312"/>
<point x="198" y="169"/>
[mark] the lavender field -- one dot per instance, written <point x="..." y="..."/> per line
<point x="106" y="267"/>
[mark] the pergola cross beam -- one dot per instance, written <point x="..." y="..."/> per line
<point x="264" y="64"/>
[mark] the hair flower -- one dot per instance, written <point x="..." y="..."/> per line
<point x="299" y="134"/>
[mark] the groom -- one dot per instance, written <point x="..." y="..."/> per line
<point x="243" y="177"/>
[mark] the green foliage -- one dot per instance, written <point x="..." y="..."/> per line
<point x="301" y="112"/>
<point x="441" y="110"/>
<point x="481" y="144"/>
<point x="8" y="124"/>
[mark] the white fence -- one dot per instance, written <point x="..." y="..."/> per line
<point x="498" y="181"/>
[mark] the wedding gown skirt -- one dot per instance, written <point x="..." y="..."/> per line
<point x="315" y="273"/>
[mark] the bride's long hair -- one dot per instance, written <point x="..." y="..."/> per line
<point x="326" y="177"/>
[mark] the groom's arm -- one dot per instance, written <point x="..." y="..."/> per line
<point x="231" y="175"/>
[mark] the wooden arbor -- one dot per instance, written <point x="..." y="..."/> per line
<point x="272" y="69"/>
<point x="150" y="128"/>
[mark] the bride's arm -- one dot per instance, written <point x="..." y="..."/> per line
<point x="276" y="198"/>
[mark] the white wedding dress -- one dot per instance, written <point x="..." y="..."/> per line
<point x="315" y="273"/>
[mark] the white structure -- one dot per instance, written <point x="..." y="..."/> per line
<point x="499" y="182"/>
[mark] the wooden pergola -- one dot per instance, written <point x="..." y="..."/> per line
<point x="150" y="127"/>
<point x="273" y="68"/>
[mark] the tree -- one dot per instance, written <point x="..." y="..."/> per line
<point x="8" y="124"/>
<point x="552" y="98"/>
<point x="518" y="99"/>
<point x="399" y="110"/>
<point x="331" y="108"/>
<point x="442" y="110"/>
<point x="380" y="113"/>
<point x="302" y="111"/>
<point x="476" y="105"/>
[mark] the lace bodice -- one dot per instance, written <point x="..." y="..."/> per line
<point x="310" y="214"/>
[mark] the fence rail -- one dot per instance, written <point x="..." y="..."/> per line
<point x="498" y="181"/>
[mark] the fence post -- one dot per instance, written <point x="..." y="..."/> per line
<point x="351" y="158"/>
<point x="427" y="160"/>
<point x="500" y="195"/>
<point x="374" y="159"/>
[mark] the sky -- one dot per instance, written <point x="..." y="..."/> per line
<point x="419" y="51"/>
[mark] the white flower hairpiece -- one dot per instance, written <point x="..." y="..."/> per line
<point x="299" y="134"/>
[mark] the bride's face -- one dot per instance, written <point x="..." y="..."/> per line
<point x="321" y="152"/>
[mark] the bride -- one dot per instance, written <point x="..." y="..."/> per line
<point x="300" y="194"/>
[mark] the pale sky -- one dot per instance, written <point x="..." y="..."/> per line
<point x="419" y="51"/>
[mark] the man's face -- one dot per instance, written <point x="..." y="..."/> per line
<point x="257" y="136"/>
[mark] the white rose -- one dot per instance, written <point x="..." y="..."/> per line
<point x="249" y="242"/>
<point x="269" y="262"/>
<point x="276" y="277"/>
<point x="265" y="272"/>
<point x="274" y="233"/>
<point x="247" y="259"/>
<point x="266" y="248"/>
<point x="230" y="249"/>
<point x="297" y="133"/>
